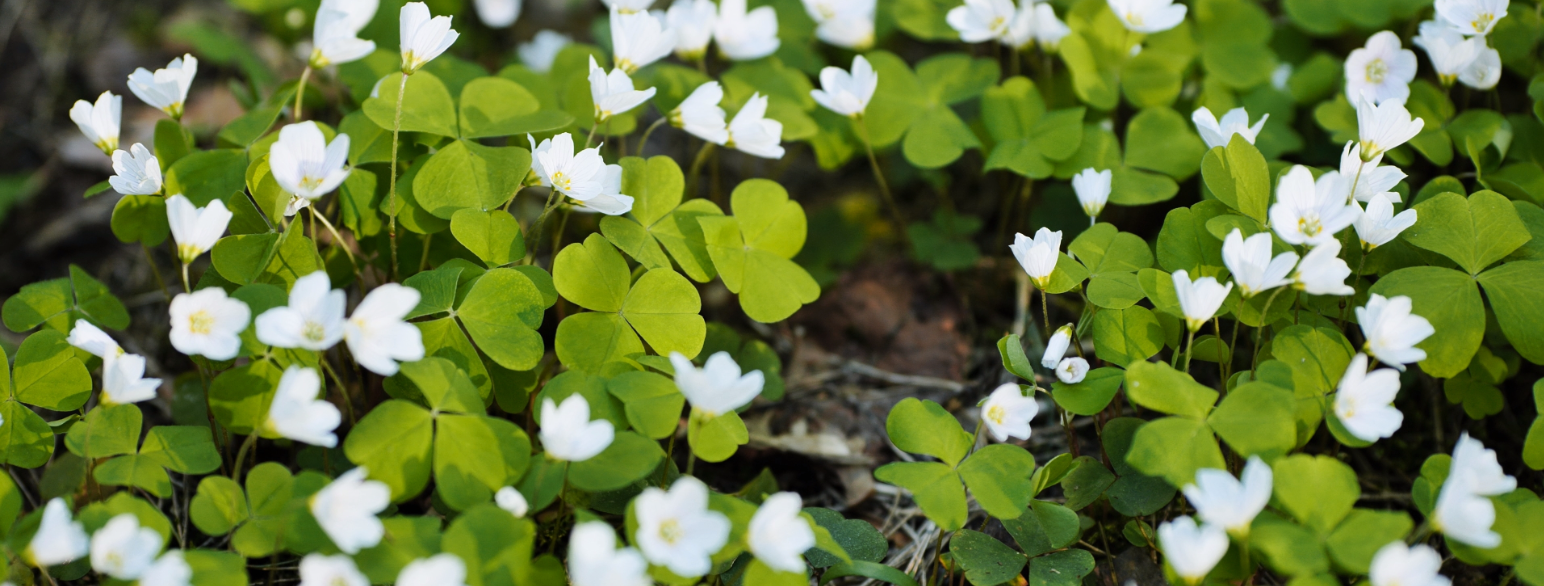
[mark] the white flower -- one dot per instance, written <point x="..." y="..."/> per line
<point x="1056" y="347"/>
<point x="1253" y="267"/>
<point x="330" y="570"/>
<point x="1049" y="30"/>
<point x="743" y="36"/>
<point x="335" y="34"/>
<point x="627" y="6"/>
<point x="1280" y="76"/>
<point x="692" y="21"/>
<point x="1199" y="299"/>
<point x="718" y="387"/>
<point x="510" y="499"/>
<point x="167" y="88"/>
<point x="1364" y="402"/>
<point x="122" y="549"/>
<point x="850" y="24"/>
<point x="677" y="530"/>
<point x="610" y="200"/>
<point x="1322" y="272"/>
<point x="1072" y="370"/>
<point x="124" y="382"/>
<point x="208" y="323"/>
<point x="638" y="39"/>
<point x="168" y="570"/>
<point x="751" y="132"/>
<point x="543" y="49"/>
<point x="1231" y="503"/>
<point x="581" y="175"/>
<point x="297" y="414"/>
<point x="444" y="569"/>
<point x="981" y="20"/>
<point x="137" y="172"/>
<point x="1038" y="255"/>
<point x="567" y="432"/>
<point x="1384" y="126"/>
<point x="1007" y="412"/>
<point x="1378" y="224"/>
<point x="195" y="230"/>
<point x="1484" y="72"/>
<point x="1397" y="564"/>
<point x="305" y="164"/>
<point x="1392" y="331"/>
<point x="1310" y="213"/>
<point x="313" y="319"/>
<point x="60" y="539"/>
<point x="614" y="94"/>
<point x="1191" y="549"/>
<point x="1463" y="512"/>
<point x="1471" y="17"/>
<point x="1449" y="51"/>
<point x="423" y="38"/>
<point x="498" y="13"/>
<point x="1093" y="190"/>
<point x="1380" y="71"/>
<point x="1236" y="121"/>
<point x="1148" y="16"/>
<point x="1021" y="28"/>
<point x="92" y="339"/>
<point x="1370" y="178"/>
<point x="594" y="560"/>
<point x="346" y="509"/>
<point x="700" y="115"/>
<point x="847" y="93"/>
<point x="99" y="122"/>
<point x="778" y="536"/>
<point x="376" y="334"/>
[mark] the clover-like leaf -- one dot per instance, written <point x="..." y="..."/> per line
<point x="1475" y="231"/>
<point x="752" y="250"/>
<point x="427" y="108"/>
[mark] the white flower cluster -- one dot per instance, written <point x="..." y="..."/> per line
<point x="1032" y="21"/>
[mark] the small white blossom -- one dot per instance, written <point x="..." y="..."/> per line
<point x="1200" y="299"/>
<point x="313" y="319"/>
<point x="1370" y="178"/>
<point x="335" y="34"/>
<point x="498" y="13"/>
<point x="1382" y="127"/>
<point x="742" y="35"/>
<point x="1397" y="564"/>
<point x="1380" y="71"/>
<point x="1049" y="30"/>
<point x="124" y="382"/>
<point x="1450" y="52"/>
<point x="1463" y="511"/>
<point x="543" y="49"/>
<point x="298" y="414"/>
<point x="981" y="20"/>
<point x="123" y="549"/>
<point x="1148" y="16"/>
<point x="843" y="23"/>
<point x="1192" y="549"/>
<point x="1484" y="72"/>
<point x="1311" y="213"/>
<point x="305" y="165"/>
<point x="568" y="434"/>
<point x="1236" y="121"/>
<point x="1231" y="503"/>
<point x="1392" y="331"/>
<point x="693" y="22"/>
<point x="330" y="570"/>
<point x="847" y="93"/>
<point x="1038" y="255"/>
<point x="778" y="535"/>
<point x="60" y="539"/>
<point x="376" y="334"/>
<point x="718" y="387"/>
<point x="1056" y="347"/>
<point x="628" y="6"/>
<point x="1072" y="370"/>
<point x="1093" y="191"/>
<point x="423" y="38"/>
<point x="510" y="499"/>
<point x="751" y="132"/>
<point x="677" y="530"/>
<point x="167" y="88"/>
<point x="208" y="323"/>
<point x="1378" y="224"/>
<point x="137" y="172"/>
<point x="168" y="570"/>
<point x="1364" y="401"/>
<point x="700" y="115"/>
<point x="1007" y="413"/>
<point x="594" y="560"/>
<point x="638" y="39"/>
<point x="1254" y="269"/>
<point x="346" y="509"/>
<point x="1471" y="17"/>
<point x="1322" y="272"/>
<point x="614" y="94"/>
<point x="195" y="230"/>
<point x="92" y="339"/>
<point x="99" y="121"/>
<point x="1280" y="76"/>
<point x="610" y="200"/>
<point x="444" y="569"/>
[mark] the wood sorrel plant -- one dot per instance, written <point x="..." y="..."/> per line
<point x="449" y="383"/>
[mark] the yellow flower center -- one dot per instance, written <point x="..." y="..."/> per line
<point x="313" y="331"/>
<point x="1309" y="226"/>
<point x="1376" y="71"/>
<point x="1482" y="21"/>
<point x="670" y="531"/>
<point x="188" y="252"/>
<point x="310" y="183"/>
<point x="627" y="65"/>
<point x="561" y="182"/>
<point x="997" y="414"/>
<point x="1133" y="19"/>
<point x="200" y="322"/>
<point x="998" y="23"/>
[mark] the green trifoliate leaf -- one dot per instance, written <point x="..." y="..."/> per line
<point x="985" y="559"/>
<point x="495" y="106"/>
<point x="1475" y="231"/>
<point x="1159" y="387"/>
<point x="428" y="107"/>
<point x="1318" y="491"/>
<point x="465" y="174"/>
<point x="1450" y="300"/>
<point x="1174" y="448"/>
<point x="752" y="250"/>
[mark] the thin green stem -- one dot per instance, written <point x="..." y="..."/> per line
<point x="1045" y="313"/>
<point x="1190" y="348"/>
<point x="391" y="192"/>
<point x="884" y="186"/>
<point x="185" y="287"/>
<point x="696" y="168"/>
<point x="591" y="138"/>
<point x="423" y="260"/>
<point x="650" y="130"/>
<point x="241" y="455"/>
<point x="1265" y="316"/>
<point x="300" y="91"/>
<point x="348" y="401"/>
<point x="155" y="271"/>
<point x="337" y="239"/>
